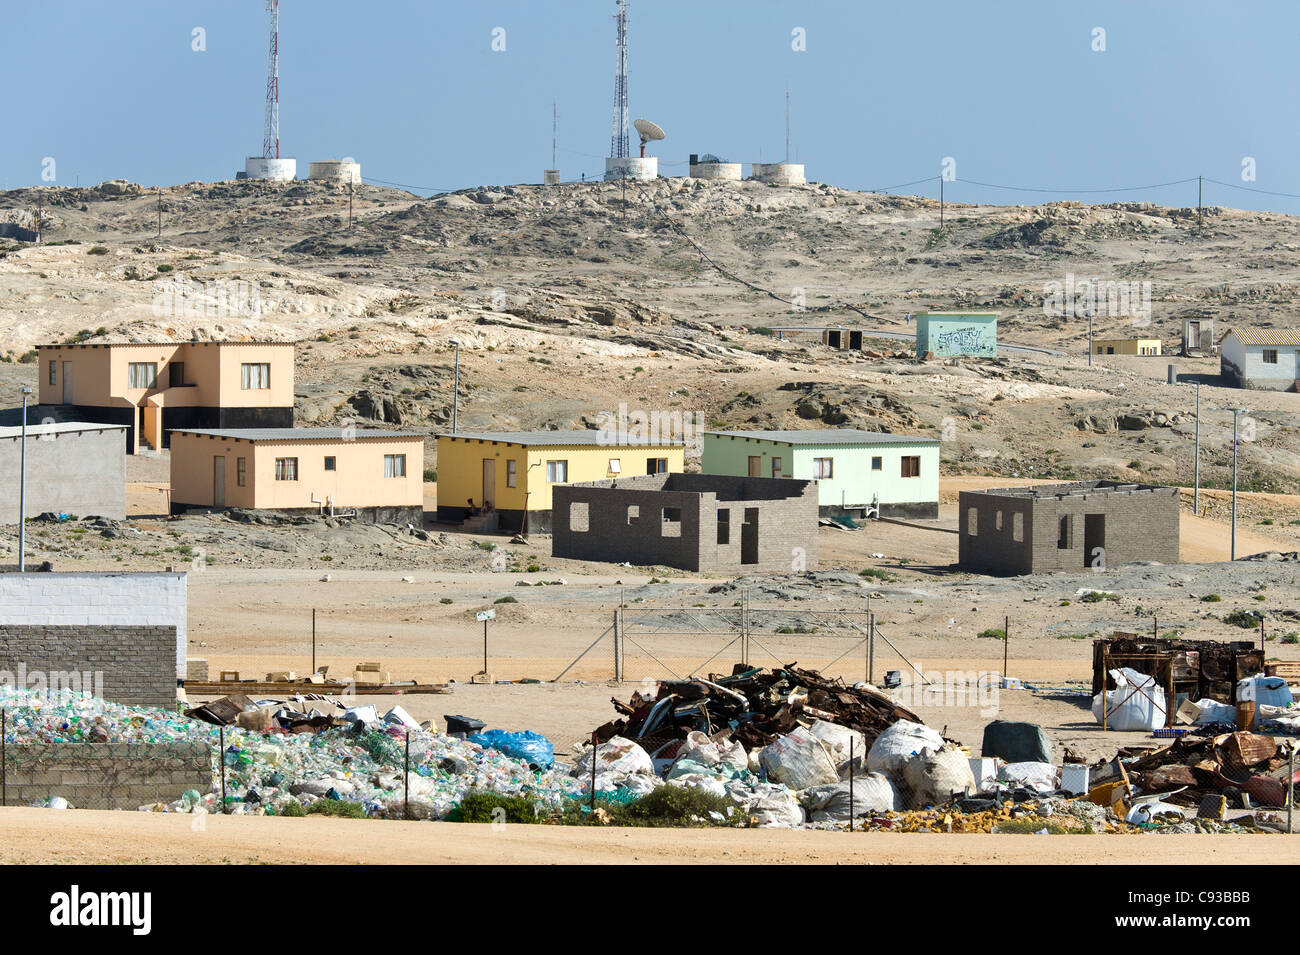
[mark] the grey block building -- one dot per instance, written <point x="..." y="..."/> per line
<point x="1066" y="527"/>
<point x="74" y="468"/>
<point x="703" y="522"/>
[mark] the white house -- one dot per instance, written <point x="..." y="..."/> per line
<point x="1262" y="358"/>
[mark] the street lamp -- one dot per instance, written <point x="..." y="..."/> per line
<point x="455" y="388"/>
<point x="22" y="491"/>
<point x="1235" y="413"/>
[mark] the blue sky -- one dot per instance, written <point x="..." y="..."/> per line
<point x="1012" y="90"/>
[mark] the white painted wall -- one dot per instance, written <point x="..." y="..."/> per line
<point x="158" y="599"/>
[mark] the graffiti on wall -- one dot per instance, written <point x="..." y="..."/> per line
<point x="970" y="339"/>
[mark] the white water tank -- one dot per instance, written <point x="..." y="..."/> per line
<point x="779" y="173"/>
<point x="262" y="167"/>
<point x="631" y="167"/>
<point x="336" y="170"/>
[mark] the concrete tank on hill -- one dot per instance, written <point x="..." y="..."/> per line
<point x="336" y="170"/>
<point x="711" y="167"/>
<point x="779" y="173"/>
<point x="631" y="167"/>
<point x="263" y="167"/>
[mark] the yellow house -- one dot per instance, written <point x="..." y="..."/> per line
<point x="159" y="388"/>
<point x="1126" y="346"/>
<point x="374" y="475"/>
<point x="489" y="480"/>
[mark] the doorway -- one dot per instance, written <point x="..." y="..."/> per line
<point x="219" y="481"/>
<point x="855" y="341"/>
<point x="66" y="398"/>
<point x="749" y="537"/>
<point x="755" y="465"/>
<point x="1094" y="539"/>
<point x="489" y="481"/>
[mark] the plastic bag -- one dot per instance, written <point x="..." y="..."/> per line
<point x="1136" y="703"/>
<point x="617" y="755"/>
<point x="936" y="776"/>
<point x="872" y="793"/>
<point x="836" y="739"/>
<point x="1265" y="690"/>
<point x="898" y="744"/>
<point x="799" y="760"/>
<point x="530" y="747"/>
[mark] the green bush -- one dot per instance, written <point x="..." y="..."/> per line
<point x="97" y="250"/>
<point x="677" y="806"/>
<point x="1211" y="599"/>
<point x="339" y="808"/>
<point x="994" y="633"/>
<point x="444" y="600"/>
<point x="293" y="809"/>
<point x="875" y="573"/>
<point x="505" y="600"/>
<point x="165" y="267"/>
<point x="1242" y="618"/>
<point x="481" y="805"/>
<point x="1097" y="596"/>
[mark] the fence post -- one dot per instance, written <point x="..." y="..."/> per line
<point x="1290" y="785"/>
<point x="618" y="677"/>
<point x="595" y="746"/>
<point x="4" y="763"/>
<point x="871" y="648"/>
<point x="221" y="761"/>
<point x="851" y="768"/>
<point x="406" y="779"/>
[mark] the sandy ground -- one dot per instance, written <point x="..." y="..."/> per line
<point x="40" y="836"/>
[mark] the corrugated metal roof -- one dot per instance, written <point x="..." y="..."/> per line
<point x="828" y="436"/>
<point x="295" y="434"/>
<point x="1267" y="336"/>
<point x="65" y="427"/>
<point x="589" y="438"/>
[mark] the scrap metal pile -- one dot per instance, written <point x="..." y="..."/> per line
<point x="756" y="704"/>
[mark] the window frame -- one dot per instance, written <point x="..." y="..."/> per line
<point x="284" y="467"/>
<point x="394" y="465"/>
<point x="250" y="382"/>
<point x="331" y="462"/>
<point x="512" y="472"/>
<point x="151" y="376"/>
<point x="54" y="371"/>
<point x="878" y="462"/>
<point x="909" y="459"/>
<point x="1268" y="356"/>
<point x="823" y="469"/>
<point x="241" y="472"/>
<point x="553" y="470"/>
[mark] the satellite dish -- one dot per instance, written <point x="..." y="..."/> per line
<point x="649" y="131"/>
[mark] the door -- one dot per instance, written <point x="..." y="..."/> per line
<point x="749" y="537"/>
<point x="855" y="341"/>
<point x="219" y="481"/>
<point x="1193" y="335"/>
<point x="1094" y="540"/>
<point x="489" y="481"/>
<point x="755" y="465"/>
<point x="67" y="384"/>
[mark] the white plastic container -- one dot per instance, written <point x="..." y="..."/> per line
<point x="1074" y="778"/>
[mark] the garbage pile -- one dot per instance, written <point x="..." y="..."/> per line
<point x="359" y="757"/>
<point x="1196" y="777"/>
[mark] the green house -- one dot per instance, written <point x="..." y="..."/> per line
<point x="855" y="470"/>
<point x="944" y="334"/>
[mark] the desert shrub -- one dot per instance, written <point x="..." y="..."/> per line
<point x="339" y="808"/>
<point x="481" y="805"/>
<point x="1245" y="619"/>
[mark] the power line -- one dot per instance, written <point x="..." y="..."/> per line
<point x="1266" y="192"/>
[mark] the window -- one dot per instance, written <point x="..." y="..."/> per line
<point x="54" y="372"/>
<point x="255" y="375"/>
<point x="557" y="472"/>
<point x="997" y="520"/>
<point x="615" y="466"/>
<point x="671" y="523"/>
<point x="579" y="517"/>
<point x="724" y="525"/>
<point x="1018" y="526"/>
<point x="877" y="463"/>
<point x="286" y="469"/>
<point x="176" y="373"/>
<point x="823" y="468"/>
<point x="512" y="473"/>
<point x="394" y="465"/>
<point x="141" y="374"/>
<point x="1110" y="349"/>
<point x="1063" y="535"/>
<point x="634" y="513"/>
<point x="972" y="521"/>
<point x="241" y="471"/>
<point x="656" y="466"/>
<point x="331" y="463"/>
<point x="911" y="466"/>
<point x="1270" y="356"/>
<point x="776" y="467"/>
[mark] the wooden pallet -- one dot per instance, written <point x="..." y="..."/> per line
<point x="1288" y="670"/>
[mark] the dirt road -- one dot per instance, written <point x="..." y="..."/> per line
<point x="87" y="837"/>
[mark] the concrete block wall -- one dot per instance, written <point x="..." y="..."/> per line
<point x="120" y="600"/>
<point x="1141" y="523"/>
<point x="70" y="472"/>
<point x="106" y="775"/>
<point x="785" y="512"/>
<point x="136" y="664"/>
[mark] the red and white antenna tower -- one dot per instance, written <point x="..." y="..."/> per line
<point x="271" y="129"/>
<point x="618" y="138"/>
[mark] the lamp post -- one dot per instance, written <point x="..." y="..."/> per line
<point x="455" y="388"/>
<point x="22" y="491"/>
<point x="1235" y="413"/>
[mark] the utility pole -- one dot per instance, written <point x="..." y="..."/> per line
<point x="1196" y="468"/>
<point x="22" y="491"/>
<point x="350" y="190"/>
<point x="787" y="126"/>
<point x="160" y="212"/>
<point x="455" y="388"/>
<point x="1090" y="338"/>
<point x="941" y="202"/>
<point x="1198" y="202"/>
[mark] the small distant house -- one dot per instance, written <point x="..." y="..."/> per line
<point x="702" y="522"/>
<point x="72" y="468"/>
<point x="1267" y="359"/>
<point x="373" y="475"/>
<point x="490" y="480"/>
<point x="857" y="472"/>
<point x="1198" y="336"/>
<point x="155" y="389"/>
<point x="945" y="334"/>
<point x="1084" y="525"/>
<point x="1126" y="346"/>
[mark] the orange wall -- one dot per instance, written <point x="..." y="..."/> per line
<point x="358" y="480"/>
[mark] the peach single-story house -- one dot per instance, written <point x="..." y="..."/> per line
<point x="158" y="388"/>
<point x="374" y="475"/>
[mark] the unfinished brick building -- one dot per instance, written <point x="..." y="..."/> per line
<point x="703" y="522"/>
<point x="1077" y="526"/>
